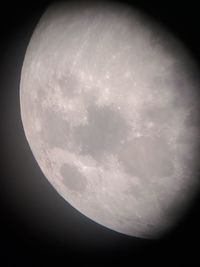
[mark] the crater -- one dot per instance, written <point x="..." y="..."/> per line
<point x="40" y="95"/>
<point x="135" y="191"/>
<point x="147" y="157"/>
<point x="193" y="119"/>
<point x="103" y="133"/>
<point x="169" y="82"/>
<point x="189" y="136"/>
<point x="69" y="85"/>
<point x="176" y="204"/>
<point x="72" y="178"/>
<point x="184" y="97"/>
<point x="158" y="115"/>
<point x="189" y="148"/>
<point x="55" y="130"/>
<point x="162" y="41"/>
<point x="184" y="80"/>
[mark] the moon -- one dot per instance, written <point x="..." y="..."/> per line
<point x="110" y="109"/>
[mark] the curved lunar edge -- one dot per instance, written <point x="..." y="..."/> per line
<point x="110" y="108"/>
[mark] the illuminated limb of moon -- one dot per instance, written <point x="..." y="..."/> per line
<point x="110" y="111"/>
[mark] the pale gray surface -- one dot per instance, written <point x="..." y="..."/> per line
<point x="110" y="110"/>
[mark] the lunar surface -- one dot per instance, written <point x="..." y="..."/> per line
<point x="110" y="109"/>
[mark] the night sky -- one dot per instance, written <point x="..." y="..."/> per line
<point x="38" y="227"/>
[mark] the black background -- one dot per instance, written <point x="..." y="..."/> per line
<point x="37" y="226"/>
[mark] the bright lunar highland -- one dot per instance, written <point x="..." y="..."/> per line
<point x="110" y="109"/>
